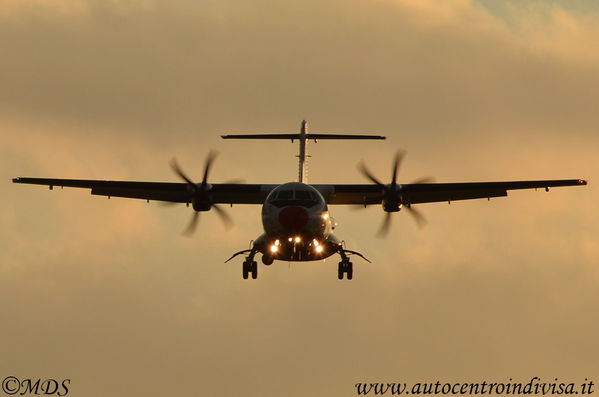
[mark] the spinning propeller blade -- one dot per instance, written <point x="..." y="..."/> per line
<point x="178" y="171"/>
<point x="391" y="195"/>
<point x="201" y="194"/>
<point x="367" y="174"/>
<point x="191" y="227"/>
<point x="384" y="229"/>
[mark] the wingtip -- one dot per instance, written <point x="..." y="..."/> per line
<point x="582" y="182"/>
<point x="16" y="180"/>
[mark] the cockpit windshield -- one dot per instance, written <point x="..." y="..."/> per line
<point x="286" y="197"/>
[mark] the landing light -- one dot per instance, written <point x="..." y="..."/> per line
<point x="297" y="239"/>
<point x="274" y="248"/>
<point x="315" y="242"/>
<point x="277" y="243"/>
<point x="319" y="248"/>
<point x="325" y="216"/>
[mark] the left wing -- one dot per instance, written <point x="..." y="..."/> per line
<point x="225" y="193"/>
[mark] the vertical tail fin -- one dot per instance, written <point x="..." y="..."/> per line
<point x="303" y="142"/>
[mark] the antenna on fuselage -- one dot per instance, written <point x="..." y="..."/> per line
<point x="303" y="137"/>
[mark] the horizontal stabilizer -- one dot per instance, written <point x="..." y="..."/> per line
<point x="298" y="136"/>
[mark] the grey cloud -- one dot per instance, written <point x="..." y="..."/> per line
<point x="109" y="294"/>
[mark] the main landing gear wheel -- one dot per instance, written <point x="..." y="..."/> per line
<point x="245" y="270"/>
<point x="254" y="270"/>
<point x="345" y="267"/>
<point x="250" y="267"/>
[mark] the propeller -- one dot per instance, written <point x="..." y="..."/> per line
<point x="391" y="197"/>
<point x="201" y="200"/>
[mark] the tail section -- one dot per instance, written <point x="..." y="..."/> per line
<point x="303" y="137"/>
<point x="303" y="143"/>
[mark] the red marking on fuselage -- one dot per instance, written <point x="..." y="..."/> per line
<point x="293" y="218"/>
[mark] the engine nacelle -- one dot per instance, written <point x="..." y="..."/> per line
<point x="391" y="206"/>
<point x="201" y="205"/>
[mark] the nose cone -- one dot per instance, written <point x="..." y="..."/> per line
<point x="293" y="218"/>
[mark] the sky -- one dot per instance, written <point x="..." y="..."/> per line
<point x="109" y="294"/>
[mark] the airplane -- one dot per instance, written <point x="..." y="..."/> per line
<point x="295" y="215"/>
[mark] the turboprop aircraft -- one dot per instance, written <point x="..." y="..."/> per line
<point x="295" y="215"/>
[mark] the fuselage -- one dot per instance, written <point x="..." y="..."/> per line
<point x="295" y="216"/>
<point x="297" y="225"/>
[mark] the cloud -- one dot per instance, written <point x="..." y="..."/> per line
<point x="96" y="289"/>
<point x="186" y="67"/>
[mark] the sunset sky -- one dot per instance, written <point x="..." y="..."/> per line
<point x="109" y="294"/>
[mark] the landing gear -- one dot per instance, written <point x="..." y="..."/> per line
<point x="345" y="267"/>
<point x="250" y="266"/>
